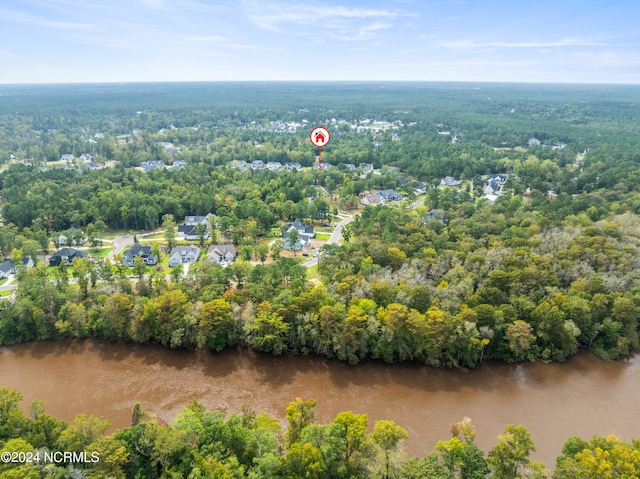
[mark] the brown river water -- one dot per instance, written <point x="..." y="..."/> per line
<point x="582" y="397"/>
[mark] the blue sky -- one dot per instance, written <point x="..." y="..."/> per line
<point x="586" y="41"/>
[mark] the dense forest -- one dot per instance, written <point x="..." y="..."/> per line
<point x="205" y="444"/>
<point x="448" y="277"/>
<point x="549" y="267"/>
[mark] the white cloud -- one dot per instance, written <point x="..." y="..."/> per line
<point x="548" y="44"/>
<point x="343" y="23"/>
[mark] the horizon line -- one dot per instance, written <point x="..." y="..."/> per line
<point x="139" y="82"/>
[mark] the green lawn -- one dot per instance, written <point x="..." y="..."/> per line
<point x="100" y="252"/>
<point x="5" y="293"/>
<point x="323" y="236"/>
<point x="3" y="280"/>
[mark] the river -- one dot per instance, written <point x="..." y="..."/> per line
<point x="581" y="397"/>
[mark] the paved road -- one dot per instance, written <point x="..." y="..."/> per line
<point x="333" y="239"/>
<point x="417" y="203"/>
<point x="119" y="243"/>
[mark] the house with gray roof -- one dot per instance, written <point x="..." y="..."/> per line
<point x="222" y="254"/>
<point x="184" y="254"/>
<point x="67" y="255"/>
<point x="390" y="195"/>
<point x="188" y="231"/>
<point x="449" y="181"/>
<point x="7" y="268"/>
<point x="129" y="256"/>
<point x="305" y="234"/>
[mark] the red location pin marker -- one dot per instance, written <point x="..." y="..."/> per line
<point x="320" y="136"/>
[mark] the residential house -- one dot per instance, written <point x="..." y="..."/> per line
<point x="67" y="157"/>
<point x="73" y="236"/>
<point x="222" y="254"/>
<point x="350" y="166"/>
<point x="292" y="165"/>
<point x="305" y="234"/>
<point x="168" y="147"/>
<point x="67" y="255"/>
<point x="87" y="157"/>
<point x="256" y="165"/>
<point x="184" y="254"/>
<point x="493" y="185"/>
<point x="390" y="195"/>
<point x="420" y="188"/>
<point x="273" y="165"/>
<point x="8" y="267"/>
<point x="92" y="166"/>
<point x="368" y="168"/>
<point x="372" y="199"/>
<point x="449" y="181"/>
<point x="189" y="231"/>
<point x="152" y="165"/>
<point x="128" y="256"/>
<point x="500" y="178"/>
<point x="179" y="164"/>
<point x="533" y="142"/>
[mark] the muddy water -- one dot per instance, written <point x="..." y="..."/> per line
<point x="584" y="396"/>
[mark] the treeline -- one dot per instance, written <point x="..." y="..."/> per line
<point x="202" y="444"/>
<point x="129" y="199"/>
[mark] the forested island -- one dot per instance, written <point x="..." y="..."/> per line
<point x="445" y="273"/>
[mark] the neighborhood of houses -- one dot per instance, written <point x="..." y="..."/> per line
<point x="296" y="236"/>
<point x="195" y="228"/>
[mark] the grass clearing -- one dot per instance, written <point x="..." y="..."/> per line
<point x="100" y="252"/>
